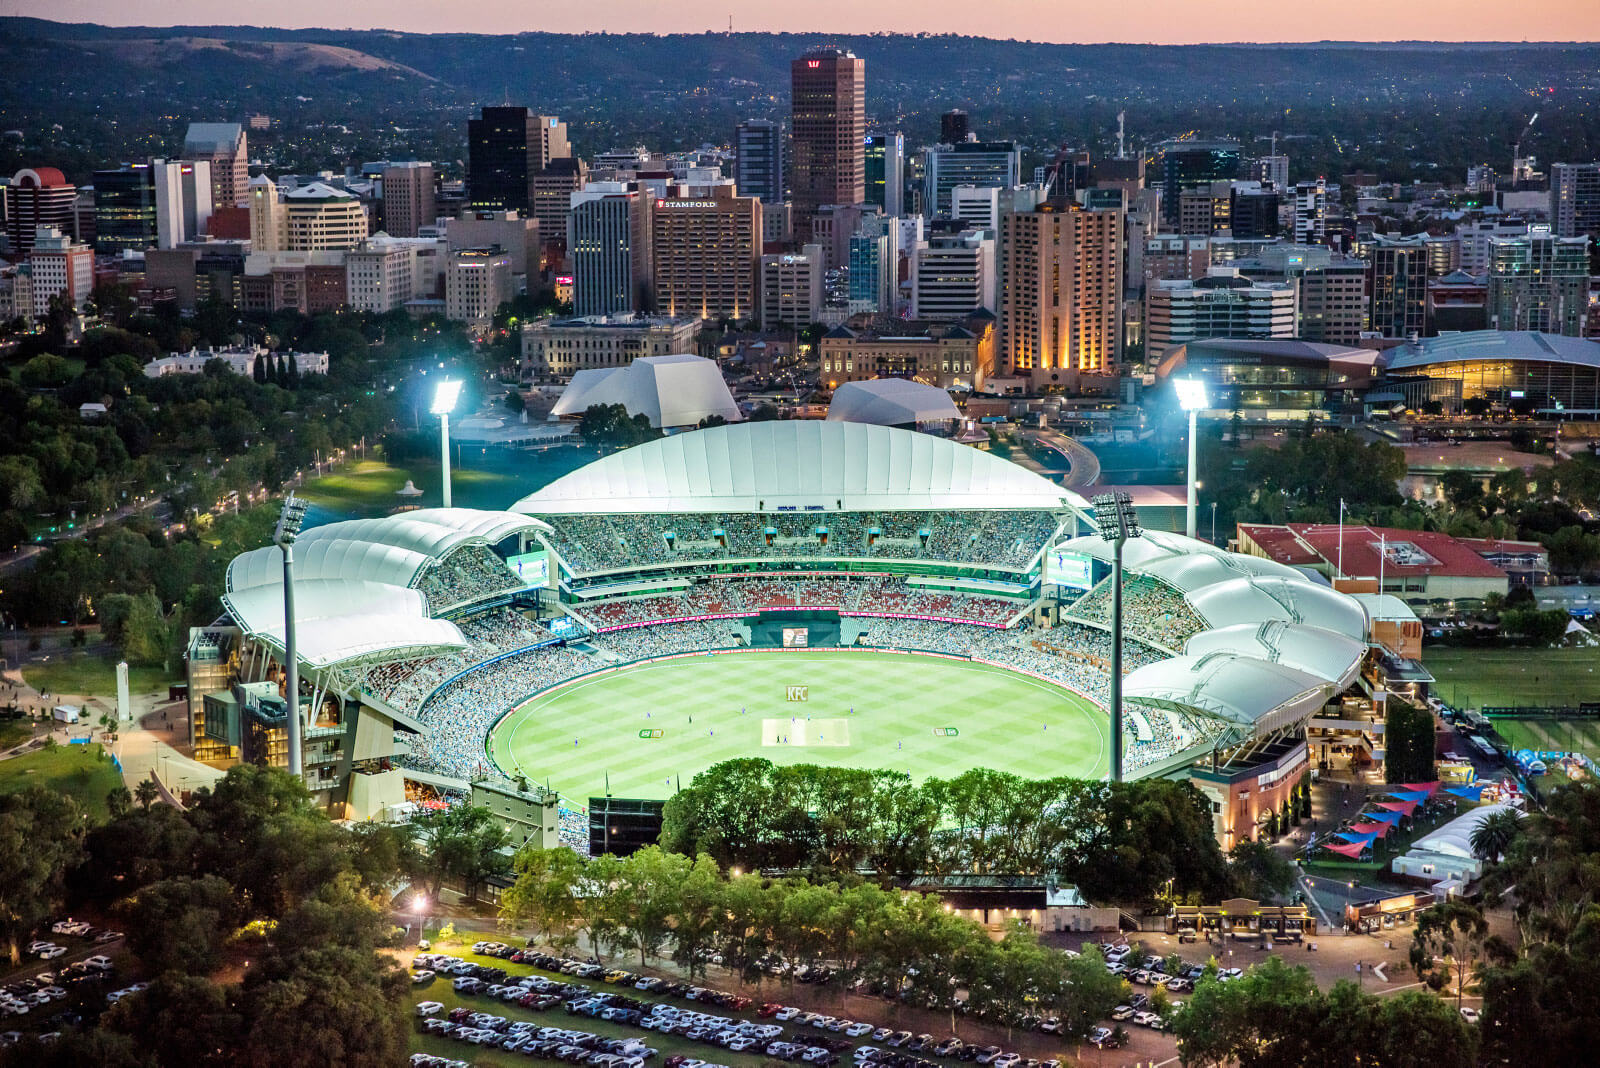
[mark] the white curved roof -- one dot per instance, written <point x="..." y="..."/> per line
<point x="1315" y="651"/>
<point x="891" y="402"/>
<point x="1253" y="695"/>
<point x="678" y="390"/>
<point x="1454" y="839"/>
<point x="800" y="464"/>
<point x="354" y="595"/>
<point x="1254" y="600"/>
<point x="1197" y="570"/>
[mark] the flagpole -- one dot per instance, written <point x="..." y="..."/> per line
<point x="1381" y="555"/>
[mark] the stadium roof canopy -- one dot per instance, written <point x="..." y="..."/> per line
<point x="1495" y="345"/>
<point x="678" y="390"/>
<point x="354" y="585"/>
<point x="1313" y="650"/>
<point x="1254" y="696"/>
<point x="798" y="465"/>
<point x="891" y="402"/>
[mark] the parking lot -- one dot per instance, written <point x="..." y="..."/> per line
<point x="67" y="974"/>
<point x="511" y="1005"/>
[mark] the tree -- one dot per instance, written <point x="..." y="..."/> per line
<point x="45" y="371"/>
<point x="462" y="842"/>
<point x="180" y="1019"/>
<point x="145" y="633"/>
<point x="118" y="801"/>
<point x="1267" y="1017"/>
<point x="645" y="896"/>
<point x="1449" y="942"/>
<point x="146" y="792"/>
<point x="41" y="837"/>
<point x="181" y="924"/>
<point x="1258" y="871"/>
<point x="1495" y="832"/>
<point x="1408" y="742"/>
<point x="544" y="894"/>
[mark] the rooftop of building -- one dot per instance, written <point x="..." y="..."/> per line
<point x="1495" y="345"/>
<point x="1368" y="551"/>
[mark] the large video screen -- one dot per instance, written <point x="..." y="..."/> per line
<point x="796" y="637"/>
<point x="1070" y="569"/>
<point x="532" y="568"/>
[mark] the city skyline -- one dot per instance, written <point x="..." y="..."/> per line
<point x="1424" y="22"/>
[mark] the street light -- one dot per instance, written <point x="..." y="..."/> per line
<point x="1114" y="514"/>
<point x="445" y="396"/>
<point x="289" y="523"/>
<point x="1191" y="398"/>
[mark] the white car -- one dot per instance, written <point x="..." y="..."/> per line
<point x="1146" y="1019"/>
<point x="786" y="1013"/>
<point x="1469" y="1014"/>
<point x="1122" y="1012"/>
<point x="99" y="962"/>
<point x="429" y="1008"/>
<point x="424" y="976"/>
<point x="36" y="945"/>
<point x="52" y="952"/>
<point x="857" y="1030"/>
<point x="69" y="926"/>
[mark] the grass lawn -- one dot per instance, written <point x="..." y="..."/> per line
<point x="861" y="709"/>
<point x="369" y="487"/>
<point x="77" y="672"/>
<point x="1568" y="736"/>
<point x="80" y="771"/>
<point x="14" y="732"/>
<point x="1475" y="678"/>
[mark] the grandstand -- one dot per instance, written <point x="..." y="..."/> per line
<point x="514" y="643"/>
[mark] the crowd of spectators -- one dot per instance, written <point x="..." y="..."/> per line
<point x="990" y="538"/>
<point x="1152" y="611"/>
<point x="467" y="574"/>
<point x="848" y="596"/>
<point x="406" y="684"/>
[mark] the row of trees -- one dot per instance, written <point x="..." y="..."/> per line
<point x="253" y="880"/>
<point x="656" y="903"/>
<point x="1125" y="842"/>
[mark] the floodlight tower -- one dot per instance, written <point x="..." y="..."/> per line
<point x="445" y="396"/>
<point x="1191" y="398"/>
<point x="289" y="522"/>
<point x="1114" y="514"/>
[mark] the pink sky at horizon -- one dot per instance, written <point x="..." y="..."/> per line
<point x="1158" y="22"/>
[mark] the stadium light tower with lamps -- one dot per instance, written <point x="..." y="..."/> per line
<point x="445" y="396"/>
<point x="1114" y="514"/>
<point x="289" y="522"/>
<point x="1191" y="398"/>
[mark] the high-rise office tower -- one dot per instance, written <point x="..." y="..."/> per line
<point x="1191" y="163"/>
<point x="791" y="287"/>
<point x="954" y="127"/>
<point x="829" y="129"/>
<point x="1575" y="199"/>
<point x="952" y="275"/>
<point x="758" y="167"/>
<point x="1333" y="302"/>
<point x="1310" y="212"/>
<point x="61" y="267"/>
<point x="408" y="200"/>
<point x="224" y="146"/>
<point x="1060" y="292"/>
<point x="1254" y="212"/>
<point x="996" y="164"/>
<point x="885" y="170"/>
<point x="874" y="258"/>
<point x="551" y="192"/>
<point x="1399" y="271"/>
<point x="183" y="199"/>
<point x="1539" y="282"/>
<point x="506" y="147"/>
<point x="37" y="196"/>
<point x="704" y="255"/>
<point x="1205" y="209"/>
<point x="608" y="248"/>
<point x="1219" y="305"/>
<point x="1274" y="169"/>
<point x="124" y="209"/>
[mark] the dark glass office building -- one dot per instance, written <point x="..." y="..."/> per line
<point x="1190" y="163"/>
<point x="124" y="209"/>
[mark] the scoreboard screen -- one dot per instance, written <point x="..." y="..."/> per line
<point x="1070" y="569"/>
<point x="796" y="637"/>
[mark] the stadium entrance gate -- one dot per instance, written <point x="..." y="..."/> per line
<point x="794" y="630"/>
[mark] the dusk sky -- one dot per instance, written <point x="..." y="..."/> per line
<point x="1162" y="21"/>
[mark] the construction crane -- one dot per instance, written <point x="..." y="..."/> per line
<point x="1516" y="152"/>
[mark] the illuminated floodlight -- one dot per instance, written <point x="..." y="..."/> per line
<point x="445" y="396"/>
<point x="1191" y="393"/>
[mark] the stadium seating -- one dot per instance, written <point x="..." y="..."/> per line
<point x="1151" y="611"/>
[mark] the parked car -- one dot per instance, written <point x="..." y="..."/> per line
<point x="429" y="1008"/>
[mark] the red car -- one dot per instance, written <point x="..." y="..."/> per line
<point x="769" y="1009"/>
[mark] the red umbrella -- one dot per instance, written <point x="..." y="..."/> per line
<point x="1405" y="808"/>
